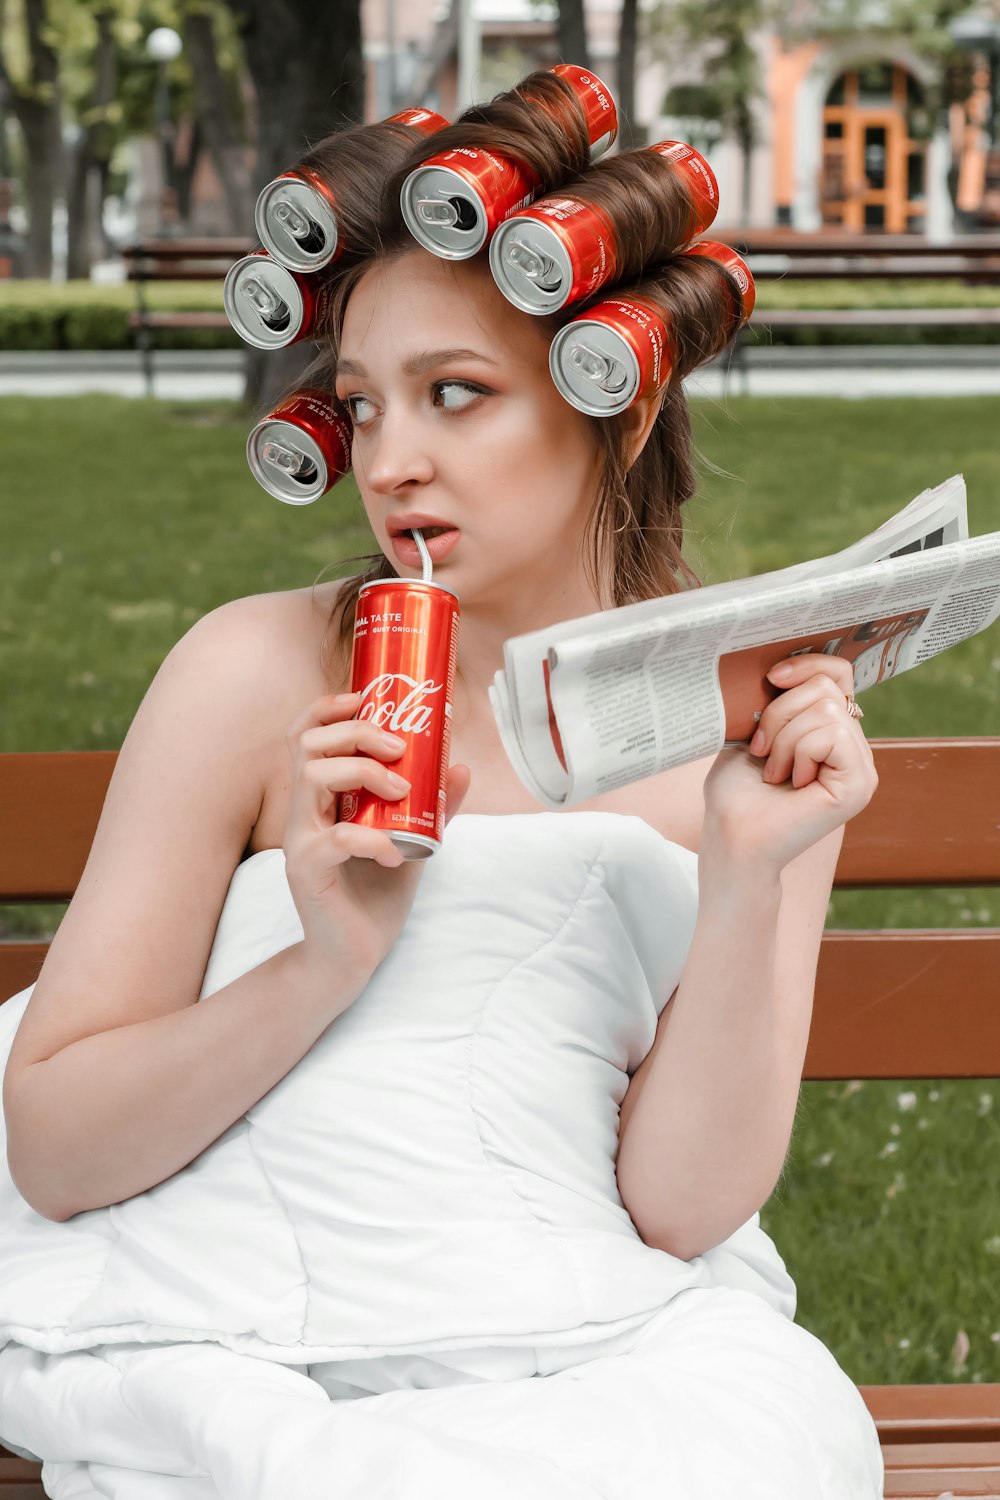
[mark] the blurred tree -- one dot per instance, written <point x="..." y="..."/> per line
<point x="219" y="112"/>
<point x="628" y="40"/>
<point x="29" y="89"/>
<point x="308" y="75"/>
<point x="90" y="154"/>
<point x="571" y="33"/>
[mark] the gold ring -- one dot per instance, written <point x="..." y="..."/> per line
<point x="852" y="707"/>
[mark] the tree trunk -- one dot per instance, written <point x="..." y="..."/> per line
<point x="220" y="128"/>
<point x="628" y="37"/>
<point x="87" y="170"/>
<point x="37" y="113"/>
<point x="308" y="73"/>
<point x="572" y="33"/>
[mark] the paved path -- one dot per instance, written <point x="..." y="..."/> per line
<point x="850" y="373"/>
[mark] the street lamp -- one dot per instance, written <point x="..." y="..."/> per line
<point x="163" y="44"/>
<point x="981" y="33"/>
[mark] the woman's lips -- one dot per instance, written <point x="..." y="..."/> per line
<point x="408" y="552"/>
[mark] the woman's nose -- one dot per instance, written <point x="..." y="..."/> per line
<point x="400" y="454"/>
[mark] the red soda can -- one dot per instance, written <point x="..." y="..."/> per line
<point x="726" y="256"/>
<point x="405" y="649"/>
<point x="699" y="179"/>
<point x="296" y="213"/>
<point x="455" y="200"/>
<point x="559" y="250"/>
<point x="300" y="450"/>
<point x="598" y="106"/>
<point x="269" y="306"/>
<point x="611" y="355"/>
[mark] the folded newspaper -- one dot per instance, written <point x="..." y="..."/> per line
<point x="587" y="705"/>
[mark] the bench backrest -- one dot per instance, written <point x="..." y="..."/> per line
<point x="183" y="260"/>
<point x="890" y="1003"/>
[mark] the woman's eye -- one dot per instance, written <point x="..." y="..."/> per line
<point x="360" y="408"/>
<point x="455" y="395"/>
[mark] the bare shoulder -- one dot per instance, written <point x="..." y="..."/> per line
<point x="187" y="791"/>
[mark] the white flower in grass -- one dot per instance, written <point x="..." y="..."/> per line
<point x="985" y="1104"/>
<point x="923" y="1124"/>
<point x="824" y="1160"/>
<point x="995" y="1337"/>
<point x="992" y="1245"/>
<point x="893" y="1128"/>
<point x="851" y="1087"/>
<point x="889" y="1148"/>
<point x="934" y="1096"/>
<point x="904" y="1343"/>
<point x="906" y="1101"/>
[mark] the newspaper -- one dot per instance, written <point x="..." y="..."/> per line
<point x="591" y="704"/>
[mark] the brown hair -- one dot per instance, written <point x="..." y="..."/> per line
<point x="634" y="533"/>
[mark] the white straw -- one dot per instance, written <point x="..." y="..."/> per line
<point x="418" y="537"/>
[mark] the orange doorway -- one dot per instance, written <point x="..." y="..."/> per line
<point x="874" y="173"/>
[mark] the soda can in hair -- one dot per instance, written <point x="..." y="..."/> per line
<point x="454" y="201"/>
<point x="296" y="213"/>
<point x="300" y="450"/>
<point x="726" y="256"/>
<point x="269" y="306"/>
<point x="615" y="353"/>
<point x="557" y="251"/>
<point x="698" y="177"/>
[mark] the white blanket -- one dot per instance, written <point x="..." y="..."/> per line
<point x="424" y="1208"/>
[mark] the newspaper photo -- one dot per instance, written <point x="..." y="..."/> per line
<point x="591" y="704"/>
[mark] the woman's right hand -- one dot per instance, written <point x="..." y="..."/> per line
<point x="351" y="886"/>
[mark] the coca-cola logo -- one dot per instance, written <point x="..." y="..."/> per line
<point x="398" y="703"/>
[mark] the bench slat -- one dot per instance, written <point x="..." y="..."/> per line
<point x="876" y="317"/>
<point x="934" y="1413"/>
<point x="50" y="802"/>
<point x="180" y="320"/>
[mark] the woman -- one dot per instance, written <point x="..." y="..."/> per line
<point x="435" y="1129"/>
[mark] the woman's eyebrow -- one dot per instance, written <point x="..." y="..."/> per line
<point x="419" y="364"/>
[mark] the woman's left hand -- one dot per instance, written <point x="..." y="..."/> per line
<point x="812" y="771"/>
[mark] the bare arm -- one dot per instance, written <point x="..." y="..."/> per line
<point x="118" y="1112"/>
<point x="704" y="1139"/>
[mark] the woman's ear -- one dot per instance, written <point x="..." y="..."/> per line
<point x="637" y="423"/>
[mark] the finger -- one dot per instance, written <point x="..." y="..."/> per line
<point x="343" y="841"/>
<point x="824" y="715"/>
<point x="351" y="738"/>
<point x="830" y="756"/>
<point x="320" y="779"/>
<point x="781" y="710"/>
<point x="330" y="708"/>
<point x="459" y="781"/>
<point x="809" y="664"/>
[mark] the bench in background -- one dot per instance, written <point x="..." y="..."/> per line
<point x="890" y="1003"/>
<point x="176" y="260"/>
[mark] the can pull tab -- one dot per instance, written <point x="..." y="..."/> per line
<point x="305" y="231"/>
<point x="605" y="372"/>
<point x="290" y="461"/>
<point x="454" y="213"/>
<point x="533" y="266"/>
<point x="270" y="308"/>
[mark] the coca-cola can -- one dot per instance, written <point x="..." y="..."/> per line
<point x="455" y="200"/>
<point x="613" y="354"/>
<point x="269" y="306"/>
<point x="300" y="450"/>
<point x="296" y="213"/>
<point x="726" y="256"/>
<point x="598" y="106"/>
<point x="405" y="649"/>
<point x="557" y="251"/>
<point x="698" y="178"/>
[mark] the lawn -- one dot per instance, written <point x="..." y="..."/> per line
<point x="127" y="520"/>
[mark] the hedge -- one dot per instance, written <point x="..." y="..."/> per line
<point x="90" y="315"/>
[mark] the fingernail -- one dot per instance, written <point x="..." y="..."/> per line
<point x="398" y="783"/>
<point x="780" y="672"/>
<point x="757" y="743"/>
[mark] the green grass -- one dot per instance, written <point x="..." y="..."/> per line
<point x="127" y="520"/>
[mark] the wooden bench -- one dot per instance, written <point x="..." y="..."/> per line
<point x="786" y="255"/>
<point x="176" y="260"/>
<point x="890" y="1003"/>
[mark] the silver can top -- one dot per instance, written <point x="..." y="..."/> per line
<point x="443" y="212"/>
<point x="531" y="265"/>
<point x="263" y="302"/>
<point x="296" y="223"/>
<point x="287" y="462"/>
<point x="594" y="368"/>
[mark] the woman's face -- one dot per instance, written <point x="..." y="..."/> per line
<point x="457" y="422"/>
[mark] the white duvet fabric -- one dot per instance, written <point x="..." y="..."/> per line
<point x="407" y="1270"/>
